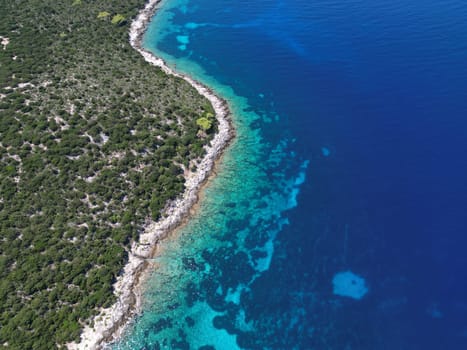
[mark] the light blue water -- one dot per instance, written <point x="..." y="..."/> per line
<point x="337" y="220"/>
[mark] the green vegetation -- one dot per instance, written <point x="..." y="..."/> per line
<point x="204" y="123"/>
<point x="93" y="142"/>
<point x="103" y="14"/>
<point x="118" y="19"/>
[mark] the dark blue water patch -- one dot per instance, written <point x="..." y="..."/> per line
<point x="374" y="95"/>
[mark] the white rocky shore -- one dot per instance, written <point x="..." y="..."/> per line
<point x="110" y="322"/>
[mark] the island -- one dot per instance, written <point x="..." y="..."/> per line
<point x="104" y="150"/>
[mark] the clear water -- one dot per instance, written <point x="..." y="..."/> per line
<point x="349" y="168"/>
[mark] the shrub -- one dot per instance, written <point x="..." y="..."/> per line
<point x="118" y="20"/>
<point x="103" y="14"/>
<point x="204" y="123"/>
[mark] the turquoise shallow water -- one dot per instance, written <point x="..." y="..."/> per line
<point x="205" y="268"/>
<point x="337" y="220"/>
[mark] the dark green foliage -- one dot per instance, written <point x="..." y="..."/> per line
<point x="92" y="144"/>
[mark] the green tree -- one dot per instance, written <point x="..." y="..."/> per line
<point x="118" y="19"/>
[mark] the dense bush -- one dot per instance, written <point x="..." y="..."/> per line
<point x="93" y="142"/>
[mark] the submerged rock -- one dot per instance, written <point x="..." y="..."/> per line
<point x="348" y="284"/>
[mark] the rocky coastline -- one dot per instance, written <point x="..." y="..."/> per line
<point x="110" y="323"/>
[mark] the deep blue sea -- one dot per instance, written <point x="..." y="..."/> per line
<point x="338" y="219"/>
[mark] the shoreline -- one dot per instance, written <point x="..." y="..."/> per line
<point x="111" y="322"/>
